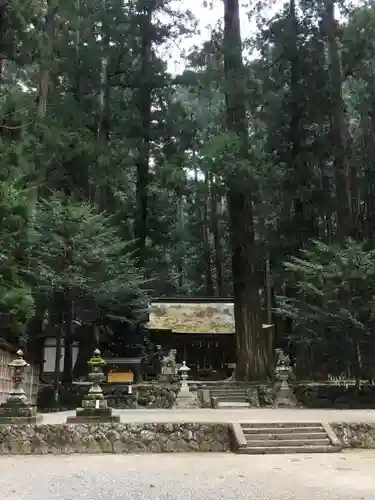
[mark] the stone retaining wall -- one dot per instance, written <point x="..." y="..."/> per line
<point x="316" y="395"/>
<point x="157" y="395"/>
<point x="114" y="438"/>
<point x="147" y="395"/>
<point x="145" y="438"/>
<point x="355" y="435"/>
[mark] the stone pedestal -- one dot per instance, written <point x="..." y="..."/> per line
<point x="17" y="410"/>
<point x="94" y="405"/>
<point x="185" y="398"/>
<point x="284" y="397"/>
<point x="19" y="413"/>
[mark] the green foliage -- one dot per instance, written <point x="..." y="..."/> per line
<point x="84" y="158"/>
<point x="334" y="294"/>
<point x="16" y="302"/>
<point x="75" y="252"/>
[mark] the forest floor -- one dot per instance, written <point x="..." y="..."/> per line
<point x="230" y="415"/>
<point x="194" y="476"/>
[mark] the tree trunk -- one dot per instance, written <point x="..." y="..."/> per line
<point x="338" y="125"/>
<point x="369" y="184"/>
<point x="34" y="333"/>
<point x="46" y="59"/>
<point x="144" y="103"/>
<point x="181" y="228"/>
<point x="3" y="8"/>
<point x="99" y="192"/>
<point x="268" y="288"/>
<point x="210" y="288"/>
<point x="218" y="249"/>
<point x="68" y="345"/>
<point x="251" y="346"/>
<point x="59" y="338"/>
<point x="298" y="173"/>
<point x="85" y="350"/>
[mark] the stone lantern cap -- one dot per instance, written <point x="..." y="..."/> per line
<point x="96" y="359"/>
<point x="18" y="362"/>
<point x="184" y="368"/>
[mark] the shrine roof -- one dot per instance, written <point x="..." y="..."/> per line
<point x="199" y="317"/>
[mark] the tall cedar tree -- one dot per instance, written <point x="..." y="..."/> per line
<point x="251" y="346"/>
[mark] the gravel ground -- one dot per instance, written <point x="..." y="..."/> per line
<point x="348" y="476"/>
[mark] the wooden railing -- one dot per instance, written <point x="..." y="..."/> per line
<point x="7" y="354"/>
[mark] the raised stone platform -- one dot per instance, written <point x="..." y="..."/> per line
<point x="223" y="415"/>
<point x="153" y="431"/>
<point x="93" y="415"/>
<point x="114" y="438"/>
<point x="170" y="437"/>
<point x="19" y="413"/>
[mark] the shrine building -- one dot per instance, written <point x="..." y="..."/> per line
<point x="202" y="331"/>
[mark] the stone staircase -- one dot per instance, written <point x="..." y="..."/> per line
<point x="301" y="437"/>
<point x="230" y="395"/>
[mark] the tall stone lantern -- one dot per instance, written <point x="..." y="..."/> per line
<point x="284" y="395"/>
<point x="185" y="398"/>
<point x="94" y="405"/>
<point x="16" y="409"/>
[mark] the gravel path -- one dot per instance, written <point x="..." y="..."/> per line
<point x="347" y="476"/>
<point x="232" y="415"/>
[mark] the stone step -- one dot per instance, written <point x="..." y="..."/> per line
<point x="225" y="384"/>
<point x="280" y="425"/>
<point x="282" y="430"/>
<point x="239" y="391"/>
<point x="228" y="392"/>
<point x="233" y="404"/>
<point x="230" y="397"/>
<point x="261" y="450"/>
<point x="231" y="391"/>
<point x="272" y="443"/>
<point x="285" y="437"/>
<point x="305" y="436"/>
<point x="228" y="388"/>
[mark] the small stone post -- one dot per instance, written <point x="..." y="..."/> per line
<point x="185" y="399"/>
<point x="16" y="409"/>
<point x="94" y="405"/>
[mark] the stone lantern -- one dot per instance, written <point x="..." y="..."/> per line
<point x="94" y="405"/>
<point x="16" y="409"/>
<point x="284" y="395"/>
<point x="185" y="398"/>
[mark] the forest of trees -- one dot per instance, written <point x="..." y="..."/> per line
<point x="251" y="174"/>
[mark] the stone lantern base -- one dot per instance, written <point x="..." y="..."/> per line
<point x="19" y="412"/>
<point x="94" y="405"/>
<point x="284" y="397"/>
<point x="186" y="399"/>
<point x="94" y="409"/>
